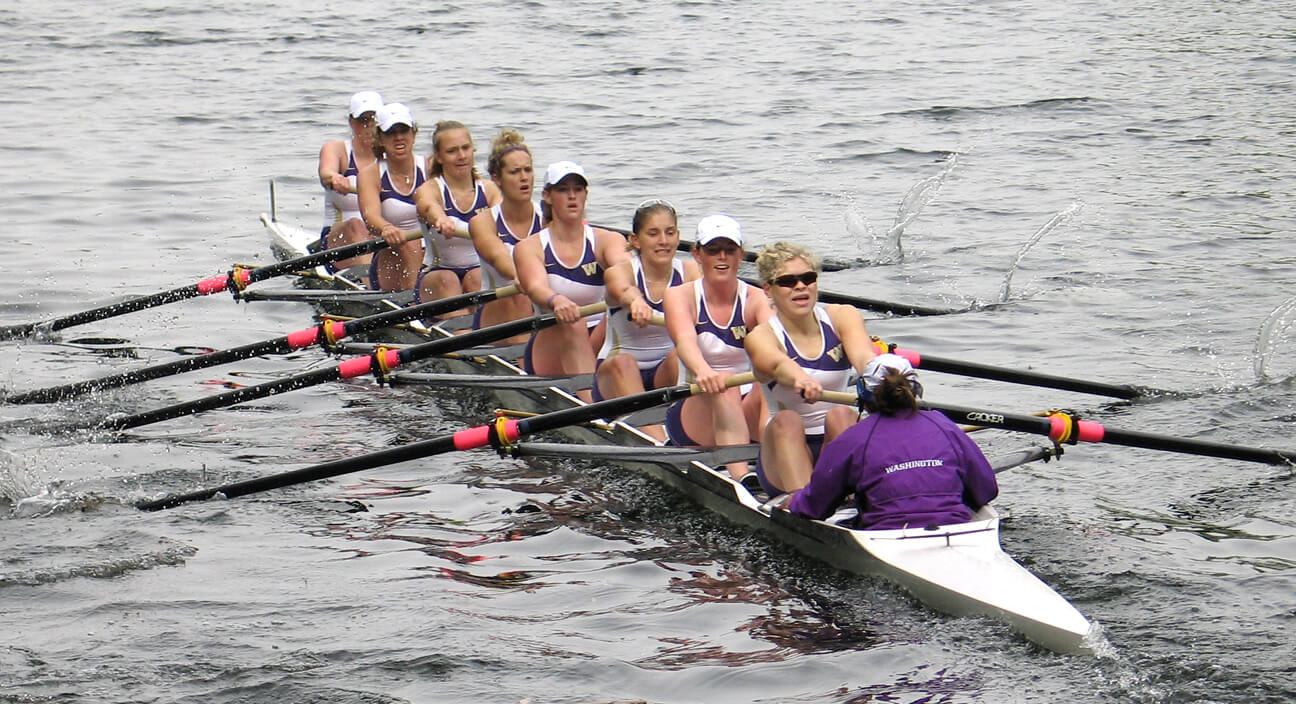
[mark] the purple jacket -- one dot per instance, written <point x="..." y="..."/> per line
<point x="914" y="469"/>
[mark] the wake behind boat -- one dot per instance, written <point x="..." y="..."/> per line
<point x="957" y="569"/>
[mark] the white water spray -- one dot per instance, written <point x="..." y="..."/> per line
<point x="887" y="249"/>
<point x="1053" y="223"/>
<point x="1271" y="333"/>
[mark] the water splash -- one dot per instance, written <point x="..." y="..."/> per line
<point x="886" y="249"/>
<point x="861" y="231"/>
<point x="1054" y="222"/>
<point x="912" y="205"/>
<point x="1271" y="333"/>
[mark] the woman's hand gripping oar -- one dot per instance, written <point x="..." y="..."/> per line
<point x="378" y="363"/>
<point x="500" y="433"/>
<point x="324" y="333"/>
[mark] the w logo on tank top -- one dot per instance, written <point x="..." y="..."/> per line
<point x="589" y="268"/>
<point x="836" y="353"/>
<point x="738" y="331"/>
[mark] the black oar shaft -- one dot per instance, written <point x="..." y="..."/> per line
<point x="388" y="359"/>
<point x="9" y="332"/>
<point x="986" y="371"/>
<point x="471" y="438"/>
<point x="237" y="279"/>
<point x="1055" y="428"/>
<point x="280" y="345"/>
<point x="317" y="472"/>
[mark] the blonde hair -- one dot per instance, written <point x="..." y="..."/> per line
<point x="505" y="142"/>
<point x="446" y="126"/>
<point x="774" y="257"/>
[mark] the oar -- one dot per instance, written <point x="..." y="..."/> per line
<point x="326" y="333"/>
<point x="1016" y="376"/>
<point x="380" y="362"/>
<point x="828" y="264"/>
<point x="714" y="455"/>
<point x="501" y="432"/>
<point x="874" y="304"/>
<point x="1064" y="428"/>
<point x="236" y="279"/>
<point x="828" y="296"/>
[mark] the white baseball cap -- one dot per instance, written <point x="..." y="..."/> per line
<point x="718" y="227"/>
<point x="560" y="170"/>
<point x="877" y="369"/>
<point x="393" y="114"/>
<point x="365" y="101"/>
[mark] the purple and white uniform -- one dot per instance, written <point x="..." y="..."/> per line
<point x="491" y="277"/>
<point x="721" y="342"/>
<point x="912" y="469"/>
<point x="649" y="345"/>
<point x="581" y="282"/>
<point x="829" y="366"/>
<point x="397" y="207"/>
<point x="453" y="253"/>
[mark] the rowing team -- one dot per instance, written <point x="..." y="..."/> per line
<point x="903" y="465"/>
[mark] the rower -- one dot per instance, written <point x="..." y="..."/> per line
<point x="806" y="348"/>
<point x="340" y="162"/>
<point x="561" y="269"/>
<point x="452" y="197"/>
<point x="387" y="190"/>
<point x="637" y="355"/>
<point x="707" y="319"/>
<point x="496" y="232"/>
<point x="905" y="466"/>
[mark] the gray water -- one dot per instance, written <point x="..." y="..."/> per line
<point x="139" y="141"/>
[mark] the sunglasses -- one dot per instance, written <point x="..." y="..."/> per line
<point x="791" y="280"/>
<point x="713" y="250"/>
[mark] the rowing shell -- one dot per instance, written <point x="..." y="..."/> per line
<point x="957" y="569"/>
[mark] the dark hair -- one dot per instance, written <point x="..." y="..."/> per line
<point x="895" y="394"/>
<point x="379" y="152"/>
<point x="651" y="207"/>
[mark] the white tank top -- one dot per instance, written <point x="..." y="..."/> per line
<point x="650" y="344"/>
<point x="582" y="282"/>
<point x="398" y="207"/>
<point x="828" y="365"/>
<point x="721" y="342"/>
<point x="491" y="277"/>
<point x="441" y="252"/>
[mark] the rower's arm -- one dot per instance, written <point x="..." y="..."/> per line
<point x="531" y="275"/>
<point x="486" y="239"/>
<point x="332" y="156"/>
<point x="620" y="284"/>
<point x="853" y="334"/>
<point x="367" y="185"/>
<point x="430" y="208"/>
<point x="770" y="362"/>
<point x="680" y="317"/>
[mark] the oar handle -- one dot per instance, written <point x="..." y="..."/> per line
<point x="411" y="235"/>
<point x="730" y="382"/>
